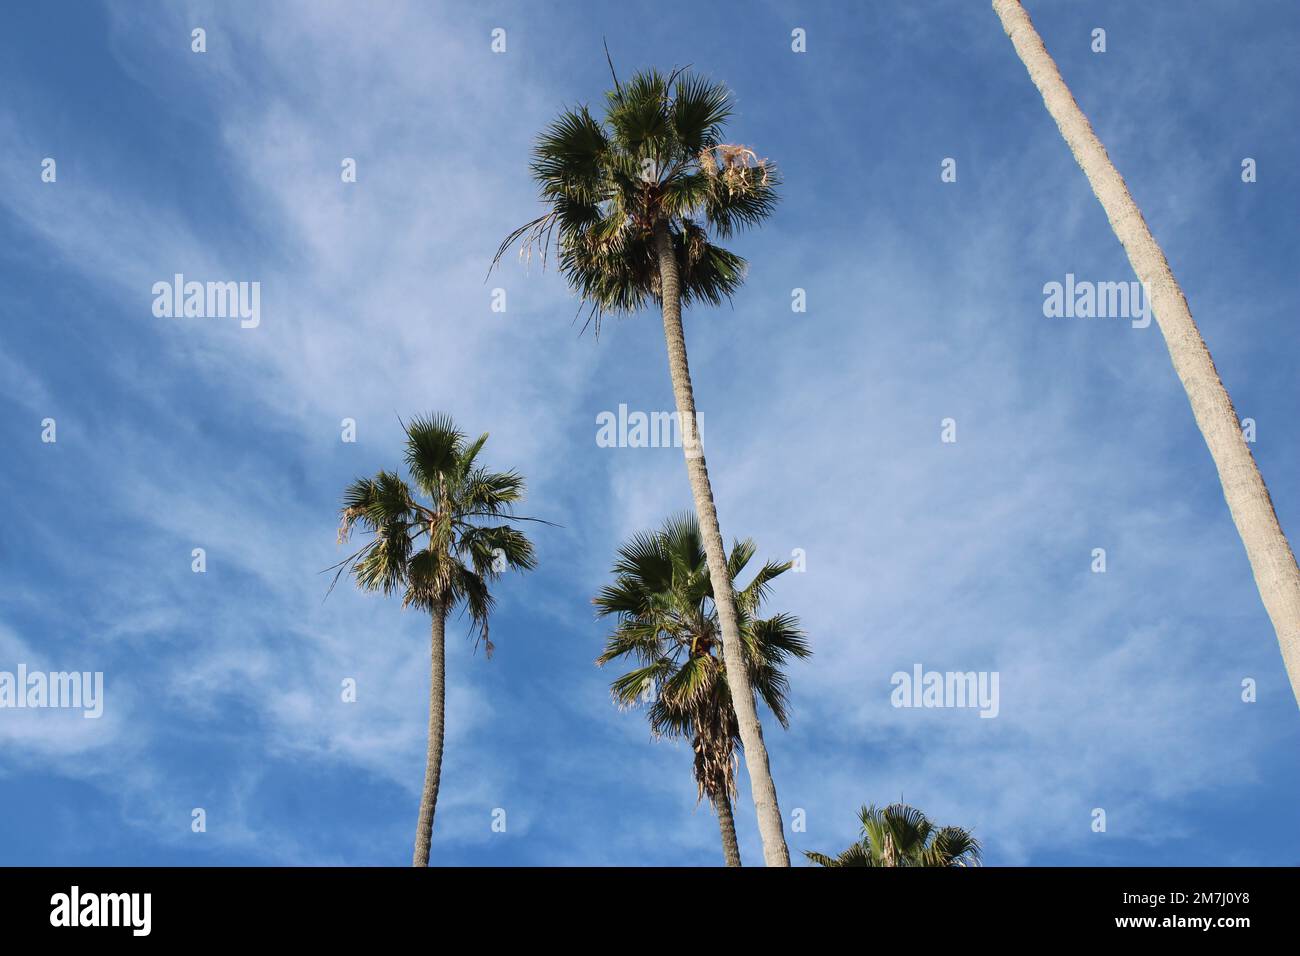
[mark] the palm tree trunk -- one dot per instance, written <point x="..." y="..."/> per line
<point x="751" y="732"/>
<point x="727" y="824"/>
<point x="433" y="760"/>
<point x="1271" y="559"/>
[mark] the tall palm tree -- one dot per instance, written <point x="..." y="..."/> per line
<point x="900" y="835"/>
<point x="668" y="622"/>
<point x="635" y="202"/>
<point x="1271" y="559"/>
<point x="442" y="553"/>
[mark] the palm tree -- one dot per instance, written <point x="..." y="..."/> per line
<point x="668" y="622"/>
<point x="634" y="204"/>
<point x="442" y="553"/>
<point x="900" y="835"/>
<point x="1271" y="559"/>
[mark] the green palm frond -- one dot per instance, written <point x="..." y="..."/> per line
<point x="855" y="855"/>
<point x="756" y="592"/>
<point x="622" y="598"/>
<point x="680" y="534"/>
<point x="644" y="560"/>
<point x="434" y="447"/>
<point x="569" y="158"/>
<point x="694" y="681"/>
<point x="638" y="114"/>
<point x="954" y="846"/>
<point x="381" y="565"/>
<point x="739" y="558"/>
<point x="641" y="641"/>
<point x="700" y="107"/>
<point x="375" y="502"/>
<point x="773" y="688"/>
<point x="469" y="590"/>
<point x="778" y="638"/>
<point x="467" y="459"/>
<point x="492" y="492"/>
<point x="427" y="573"/>
<point x="492" y="550"/>
<point x="669" y="721"/>
<point x="628" y="688"/>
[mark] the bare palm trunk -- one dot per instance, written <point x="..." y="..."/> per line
<point x="433" y="761"/>
<point x="1271" y="559"/>
<point x="727" y="825"/>
<point x="751" y="732"/>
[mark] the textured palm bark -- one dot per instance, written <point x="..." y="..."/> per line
<point x="1271" y="558"/>
<point x="770" y="827"/>
<point x="433" y="760"/>
<point x="727" y="825"/>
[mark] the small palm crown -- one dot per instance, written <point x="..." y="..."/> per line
<point x="443" y="552"/>
<point x="900" y="835"/>
<point x="657" y="161"/>
<point x="662" y="600"/>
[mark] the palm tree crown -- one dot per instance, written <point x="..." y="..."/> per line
<point x="900" y="835"/>
<point x="657" y="158"/>
<point x="442" y="552"/>
<point x="663" y="601"/>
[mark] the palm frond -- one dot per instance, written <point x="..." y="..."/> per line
<point x="700" y="108"/>
<point x="433" y="448"/>
<point x="465" y="532"/>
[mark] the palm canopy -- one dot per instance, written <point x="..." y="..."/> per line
<point x="662" y="600"/>
<point x="443" y="551"/>
<point x="900" y="835"/>
<point x="657" y="158"/>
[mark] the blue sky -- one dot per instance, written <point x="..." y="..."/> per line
<point x="1118" y="690"/>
